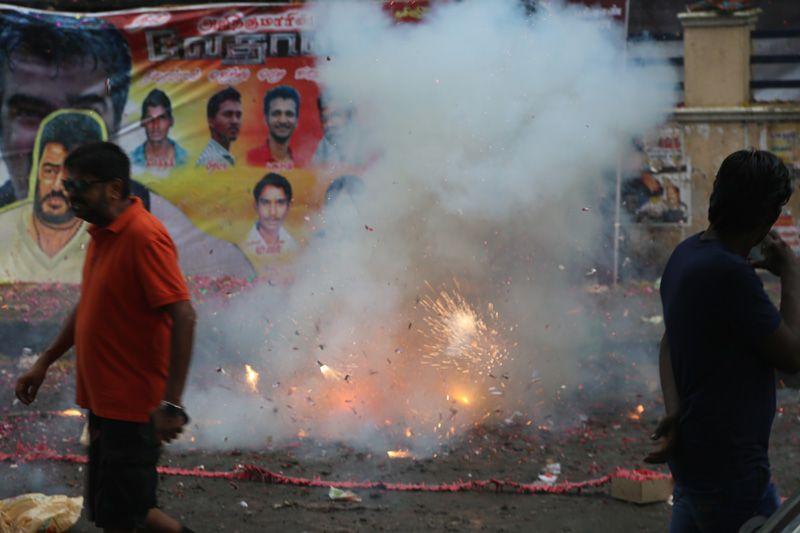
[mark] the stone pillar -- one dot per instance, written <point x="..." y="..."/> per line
<point x="716" y="57"/>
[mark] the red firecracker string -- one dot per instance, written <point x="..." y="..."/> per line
<point x="256" y="473"/>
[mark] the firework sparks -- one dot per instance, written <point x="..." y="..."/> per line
<point x="459" y="336"/>
<point x="251" y="376"/>
<point x="459" y="397"/>
<point x="329" y="373"/>
<point x="398" y="454"/>
<point x="69" y="413"/>
<point x="636" y="414"/>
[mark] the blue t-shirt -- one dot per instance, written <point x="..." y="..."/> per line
<point x="716" y="313"/>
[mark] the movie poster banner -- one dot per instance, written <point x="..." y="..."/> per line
<point x="234" y="145"/>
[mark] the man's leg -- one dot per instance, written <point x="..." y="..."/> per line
<point x="126" y="477"/>
<point x="93" y="468"/>
<point x="729" y="505"/>
<point x="770" y="502"/>
<point x="158" y="521"/>
<point x="123" y="457"/>
<point x="683" y="513"/>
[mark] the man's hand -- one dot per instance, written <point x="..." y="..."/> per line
<point x="668" y="430"/>
<point x="28" y="383"/>
<point x="778" y="257"/>
<point x="167" y="426"/>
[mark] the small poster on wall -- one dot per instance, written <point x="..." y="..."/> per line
<point x="784" y="141"/>
<point x="659" y="192"/>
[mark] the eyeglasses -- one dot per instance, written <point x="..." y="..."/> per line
<point x="79" y="187"/>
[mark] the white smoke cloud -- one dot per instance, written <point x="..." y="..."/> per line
<point x="496" y="134"/>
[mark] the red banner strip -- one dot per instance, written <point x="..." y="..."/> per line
<point x="256" y="473"/>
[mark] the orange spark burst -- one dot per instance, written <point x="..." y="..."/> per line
<point x="70" y="412"/>
<point x="251" y="376"/>
<point x="461" y="398"/>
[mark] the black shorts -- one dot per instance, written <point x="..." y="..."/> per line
<point x="121" y="478"/>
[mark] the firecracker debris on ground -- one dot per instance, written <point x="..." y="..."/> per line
<point x="474" y="482"/>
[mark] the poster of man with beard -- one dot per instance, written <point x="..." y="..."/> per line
<point x="45" y="241"/>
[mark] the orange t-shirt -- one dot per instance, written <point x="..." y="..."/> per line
<point x="122" y="337"/>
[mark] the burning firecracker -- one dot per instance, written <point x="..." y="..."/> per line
<point x="636" y="414"/>
<point x="398" y="454"/>
<point x="251" y="376"/>
<point x="330" y="373"/>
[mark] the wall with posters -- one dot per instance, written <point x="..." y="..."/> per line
<point x="709" y="142"/>
<point x="232" y="143"/>
<point x="670" y="175"/>
<point x="237" y="149"/>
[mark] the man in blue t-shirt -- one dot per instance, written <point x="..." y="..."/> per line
<point x="724" y="339"/>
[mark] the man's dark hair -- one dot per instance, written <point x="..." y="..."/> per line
<point x="275" y="180"/>
<point x="282" y="91"/>
<point x="61" y="40"/>
<point x="70" y="130"/>
<point x="225" y="95"/>
<point x="156" y="98"/>
<point x="751" y="185"/>
<point x="103" y="160"/>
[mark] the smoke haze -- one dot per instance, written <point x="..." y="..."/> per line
<point x="493" y="135"/>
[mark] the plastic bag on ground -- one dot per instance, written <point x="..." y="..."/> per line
<point x="343" y="495"/>
<point x="35" y="512"/>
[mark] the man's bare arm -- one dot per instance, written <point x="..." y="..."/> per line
<point x="782" y="347"/>
<point x="668" y="426"/>
<point x="181" y="341"/>
<point x="28" y="384"/>
<point x="668" y="387"/>
<point x="63" y="341"/>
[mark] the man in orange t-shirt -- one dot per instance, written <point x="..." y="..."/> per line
<point x="132" y="330"/>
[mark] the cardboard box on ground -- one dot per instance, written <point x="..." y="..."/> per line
<point x="641" y="491"/>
